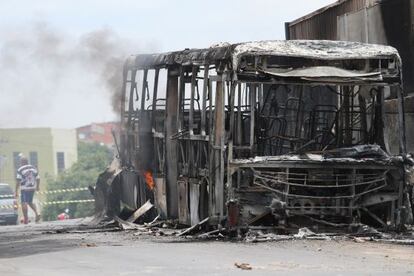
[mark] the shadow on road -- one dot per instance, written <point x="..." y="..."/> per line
<point x="15" y="249"/>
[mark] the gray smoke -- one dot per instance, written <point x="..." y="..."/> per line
<point x="105" y="52"/>
<point x="40" y="67"/>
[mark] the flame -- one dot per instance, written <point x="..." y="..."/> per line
<point x="149" y="180"/>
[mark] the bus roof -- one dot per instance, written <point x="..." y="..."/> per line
<point x="308" y="49"/>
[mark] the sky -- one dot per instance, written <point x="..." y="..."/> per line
<point x="59" y="60"/>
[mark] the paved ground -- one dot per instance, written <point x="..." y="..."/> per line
<point x="47" y="249"/>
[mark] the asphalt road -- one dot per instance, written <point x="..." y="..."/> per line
<point x="60" y="249"/>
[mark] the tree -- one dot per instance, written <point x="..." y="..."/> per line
<point x="92" y="160"/>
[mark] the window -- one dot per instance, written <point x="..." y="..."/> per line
<point x="60" y="158"/>
<point x="16" y="161"/>
<point x="33" y="158"/>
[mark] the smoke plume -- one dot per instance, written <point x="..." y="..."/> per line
<point x="52" y="78"/>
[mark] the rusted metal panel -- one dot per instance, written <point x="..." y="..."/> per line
<point x="194" y="202"/>
<point x="218" y="165"/>
<point x="183" y="204"/>
<point x="161" y="196"/>
<point x="131" y="189"/>
<point x="171" y="145"/>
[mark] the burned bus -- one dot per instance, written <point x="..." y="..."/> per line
<point x="262" y="133"/>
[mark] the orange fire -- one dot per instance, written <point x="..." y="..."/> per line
<point x="149" y="180"/>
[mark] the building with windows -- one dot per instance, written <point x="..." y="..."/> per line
<point x="50" y="150"/>
<point x="101" y="133"/>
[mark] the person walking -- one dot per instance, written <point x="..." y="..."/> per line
<point x="28" y="182"/>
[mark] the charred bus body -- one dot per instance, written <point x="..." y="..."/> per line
<point x="268" y="132"/>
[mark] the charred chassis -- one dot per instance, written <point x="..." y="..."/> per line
<point x="270" y="132"/>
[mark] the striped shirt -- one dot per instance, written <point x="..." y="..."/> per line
<point x="28" y="176"/>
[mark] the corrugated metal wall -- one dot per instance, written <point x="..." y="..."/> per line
<point x="322" y="24"/>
